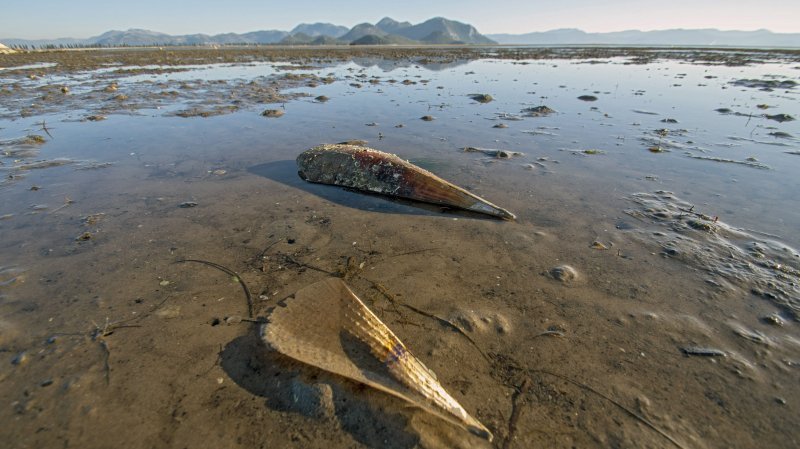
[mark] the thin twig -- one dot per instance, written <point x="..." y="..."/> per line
<point x="516" y="410"/>
<point x="625" y="409"/>
<point x="44" y="128"/>
<point x="231" y="273"/>
<point x="292" y="260"/>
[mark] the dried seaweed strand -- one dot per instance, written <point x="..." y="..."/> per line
<point x="231" y="273"/>
<point x="516" y="410"/>
<point x="106" y="365"/>
<point x="625" y="409"/>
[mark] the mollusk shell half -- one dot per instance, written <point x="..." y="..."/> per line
<point x="374" y="171"/>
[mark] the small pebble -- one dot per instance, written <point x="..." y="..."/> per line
<point x="482" y="98"/>
<point x="20" y="359"/>
<point x="272" y="113"/>
<point x="598" y="245"/>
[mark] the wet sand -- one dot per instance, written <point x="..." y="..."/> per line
<point x="679" y="328"/>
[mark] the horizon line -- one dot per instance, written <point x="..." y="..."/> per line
<point x="330" y="23"/>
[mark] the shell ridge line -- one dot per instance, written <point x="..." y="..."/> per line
<point x="412" y="373"/>
<point x="309" y="327"/>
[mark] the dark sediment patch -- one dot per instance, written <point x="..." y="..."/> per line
<point x="765" y="84"/>
<point x="780" y="117"/>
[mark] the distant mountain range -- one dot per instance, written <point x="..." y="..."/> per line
<point x="433" y="31"/>
<point x="676" y="37"/>
<point x="386" y="32"/>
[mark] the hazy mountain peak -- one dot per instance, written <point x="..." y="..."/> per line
<point x="319" y="29"/>
<point x="439" y="30"/>
<point x="361" y="30"/>
<point x="390" y="25"/>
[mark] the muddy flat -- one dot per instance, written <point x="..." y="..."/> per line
<point x="647" y="295"/>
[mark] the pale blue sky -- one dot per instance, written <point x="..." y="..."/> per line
<point x="47" y="19"/>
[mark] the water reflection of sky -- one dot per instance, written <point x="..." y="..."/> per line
<point x="615" y="124"/>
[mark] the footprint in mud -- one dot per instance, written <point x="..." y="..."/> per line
<point x="480" y="321"/>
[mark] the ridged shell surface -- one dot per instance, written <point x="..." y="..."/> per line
<point x="326" y="325"/>
<point x="374" y="171"/>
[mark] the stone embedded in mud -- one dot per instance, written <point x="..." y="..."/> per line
<point x="427" y="118"/>
<point x="20" y="359"/>
<point x="587" y="98"/>
<point x="321" y="99"/>
<point x="538" y="111"/>
<point x="482" y="98"/>
<point x="272" y="113"/>
<point x="701" y="225"/>
<point x="774" y="320"/>
<point x="314" y="400"/>
<point x="83" y="237"/>
<point x="564" y="273"/>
